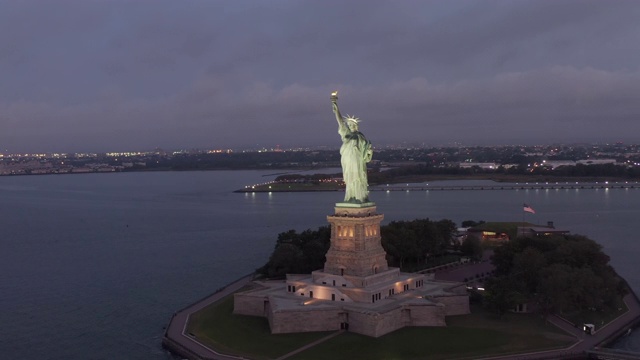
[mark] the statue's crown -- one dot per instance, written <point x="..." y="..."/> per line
<point x="352" y="118"/>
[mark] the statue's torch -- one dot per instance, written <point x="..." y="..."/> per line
<point x="334" y="96"/>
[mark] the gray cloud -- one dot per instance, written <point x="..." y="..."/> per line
<point x="108" y="75"/>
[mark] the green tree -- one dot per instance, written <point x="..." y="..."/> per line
<point x="298" y="253"/>
<point x="502" y="295"/>
<point x="285" y="259"/>
<point x="471" y="223"/>
<point x="400" y="243"/>
<point x="314" y="245"/>
<point x="412" y="242"/>
<point x="472" y="247"/>
<point x="528" y="265"/>
<point x="561" y="273"/>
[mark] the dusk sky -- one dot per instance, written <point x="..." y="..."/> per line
<point x="102" y="75"/>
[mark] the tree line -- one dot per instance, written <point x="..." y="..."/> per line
<point x="563" y="273"/>
<point x="557" y="274"/>
<point x="577" y="171"/>
<point x="408" y="244"/>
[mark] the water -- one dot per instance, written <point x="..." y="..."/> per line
<point x="93" y="266"/>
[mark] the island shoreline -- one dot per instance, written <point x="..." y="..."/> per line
<point x="178" y="342"/>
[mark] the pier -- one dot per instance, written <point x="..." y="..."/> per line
<point x="508" y="186"/>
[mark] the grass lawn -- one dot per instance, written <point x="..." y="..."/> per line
<point x="466" y="336"/>
<point x="219" y="328"/>
<point x="598" y="318"/>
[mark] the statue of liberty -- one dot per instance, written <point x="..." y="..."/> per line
<point x="355" y="153"/>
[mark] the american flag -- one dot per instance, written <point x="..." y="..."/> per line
<point x="529" y="209"/>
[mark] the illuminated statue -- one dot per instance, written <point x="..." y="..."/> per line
<point x="355" y="153"/>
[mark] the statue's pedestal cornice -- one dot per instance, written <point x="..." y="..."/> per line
<point x="355" y="209"/>
<point x="355" y="205"/>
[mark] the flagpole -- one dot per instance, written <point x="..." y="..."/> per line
<point x="526" y="208"/>
<point x="522" y="225"/>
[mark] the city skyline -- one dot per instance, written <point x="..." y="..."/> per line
<point x="118" y="75"/>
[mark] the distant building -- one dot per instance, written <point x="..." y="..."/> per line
<point x="596" y="161"/>
<point x="495" y="236"/>
<point x="539" y="231"/>
<point x="487" y="235"/>
<point x="486" y="166"/>
<point x="557" y="163"/>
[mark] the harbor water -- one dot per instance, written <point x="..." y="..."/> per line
<point x="94" y="265"/>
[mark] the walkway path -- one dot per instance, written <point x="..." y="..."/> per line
<point x="584" y="341"/>
<point x="177" y="340"/>
<point x="310" y="345"/>
<point x="467" y="272"/>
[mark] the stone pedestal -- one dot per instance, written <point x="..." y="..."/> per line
<point x="356" y="290"/>
<point x="356" y="250"/>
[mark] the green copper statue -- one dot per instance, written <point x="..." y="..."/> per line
<point x="355" y="153"/>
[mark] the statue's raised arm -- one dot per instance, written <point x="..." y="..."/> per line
<point x="355" y="153"/>
<point x="336" y="111"/>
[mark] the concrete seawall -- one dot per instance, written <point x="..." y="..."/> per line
<point x="176" y="339"/>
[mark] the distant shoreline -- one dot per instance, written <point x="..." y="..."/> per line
<point x="614" y="182"/>
<point x="416" y="183"/>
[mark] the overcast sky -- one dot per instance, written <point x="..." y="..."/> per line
<point x="99" y="75"/>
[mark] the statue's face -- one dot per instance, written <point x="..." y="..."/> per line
<point x="353" y="126"/>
